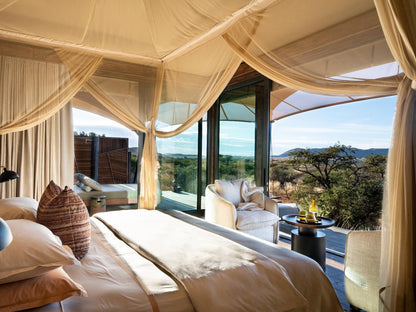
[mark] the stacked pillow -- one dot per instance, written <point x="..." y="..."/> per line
<point x="83" y="186"/>
<point x="33" y="251"/>
<point x="18" y="208"/>
<point x="66" y="215"/>
<point x="86" y="183"/>
<point x="30" y="271"/>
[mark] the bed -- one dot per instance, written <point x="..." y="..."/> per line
<point x="141" y="260"/>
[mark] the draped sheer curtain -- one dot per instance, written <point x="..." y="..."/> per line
<point x="39" y="154"/>
<point x="32" y="91"/>
<point x="398" y="258"/>
<point x="36" y="137"/>
<point x="36" y="120"/>
<point x="184" y="84"/>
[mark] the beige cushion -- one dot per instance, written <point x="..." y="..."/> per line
<point x="252" y="197"/>
<point x="83" y="186"/>
<point x="93" y="184"/>
<point x="250" y="220"/>
<point x="88" y="181"/>
<point x="249" y="207"/>
<point x="230" y="191"/>
<point x="33" y="251"/>
<point x="50" y="287"/>
<point x="67" y="216"/>
<point x="247" y="190"/>
<point x="18" y="208"/>
<point x="257" y="198"/>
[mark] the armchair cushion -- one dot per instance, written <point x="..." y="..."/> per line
<point x="230" y="191"/>
<point x="250" y="220"/>
<point x="252" y="195"/>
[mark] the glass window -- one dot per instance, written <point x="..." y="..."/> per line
<point x="203" y="161"/>
<point x="237" y="134"/>
<point x="178" y="159"/>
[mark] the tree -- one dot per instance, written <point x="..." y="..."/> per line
<point x="376" y="165"/>
<point x="91" y="134"/>
<point x="285" y="175"/>
<point x="320" y="166"/>
<point x="350" y="190"/>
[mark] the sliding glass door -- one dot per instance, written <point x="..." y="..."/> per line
<point x="237" y="134"/>
<point x="230" y="142"/>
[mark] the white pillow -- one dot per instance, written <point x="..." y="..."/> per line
<point x="83" y="187"/>
<point x="251" y="194"/>
<point x="18" y="208"/>
<point x="88" y="181"/>
<point x="93" y="184"/>
<point x="230" y="191"/>
<point x="33" y="251"/>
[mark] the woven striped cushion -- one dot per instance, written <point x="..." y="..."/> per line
<point x="67" y="217"/>
<point x="51" y="191"/>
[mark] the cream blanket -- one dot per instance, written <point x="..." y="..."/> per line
<point x="218" y="274"/>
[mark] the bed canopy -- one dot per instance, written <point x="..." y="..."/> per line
<point x="141" y="62"/>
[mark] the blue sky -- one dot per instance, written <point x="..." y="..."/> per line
<point x="364" y="124"/>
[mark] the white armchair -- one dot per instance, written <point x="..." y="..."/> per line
<point x="221" y="202"/>
<point x="362" y="269"/>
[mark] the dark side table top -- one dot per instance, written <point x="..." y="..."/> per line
<point x="325" y="222"/>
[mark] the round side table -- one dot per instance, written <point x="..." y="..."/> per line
<point x="307" y="239"/>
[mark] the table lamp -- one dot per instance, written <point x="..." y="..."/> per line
<point x="5" y="233"/>
<point x="7" y="175"/>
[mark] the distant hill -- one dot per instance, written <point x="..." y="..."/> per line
<point x="178" y="155"/>
<point x="359" y="153"/>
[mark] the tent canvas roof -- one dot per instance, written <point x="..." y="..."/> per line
<point x="137" y="37"/>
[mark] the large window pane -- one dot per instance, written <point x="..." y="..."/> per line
<point x="203" y="161"/>
<point x="237" y="134"/>
<point x="178" y="170"/>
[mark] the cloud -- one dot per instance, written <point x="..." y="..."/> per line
<point x="362" y="127"/>
<point x="86" y="119"/>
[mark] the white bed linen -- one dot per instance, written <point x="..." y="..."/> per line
<point x="111" y="272"/>
<point x="305" y="273"/>
<point x="112" y="288"/>
<point x="219" y="274"/>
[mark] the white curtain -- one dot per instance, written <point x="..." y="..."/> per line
<point x="32" y="91"/>
<point x="40" y="154"/>
<point x="398" y="254"/>
<point x="36" y="131"/>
